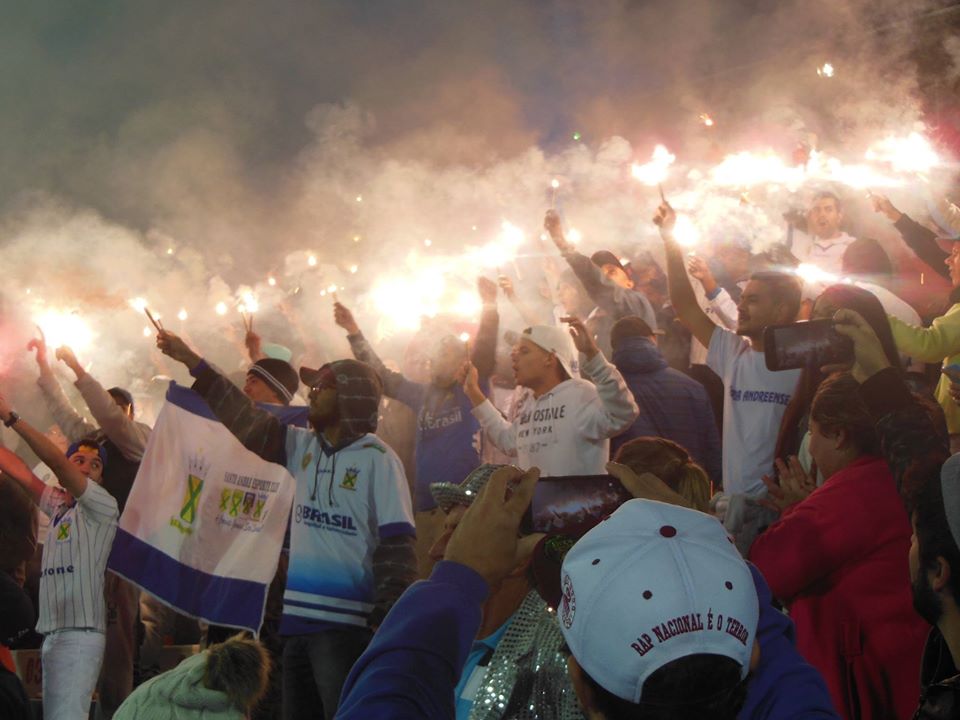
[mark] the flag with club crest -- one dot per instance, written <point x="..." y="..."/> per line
<point x="205" y="521"/>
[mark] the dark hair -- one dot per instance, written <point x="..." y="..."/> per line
<point x="785" y="286"/>
<point x="605" y="257"/>
<point x="240" y="669"/>
<point x="839" y="406"/>
<point x="934" y="538"/>
<point x="866" y="257"/>
<point x="849" y="297"/>
<point x="827" y="195"/>
<point x="628" y="327"/>
<point x="688" y="688"/>
<point x="124" y="396"/>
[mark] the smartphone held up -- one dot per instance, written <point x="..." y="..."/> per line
<point x="810" y="343"/>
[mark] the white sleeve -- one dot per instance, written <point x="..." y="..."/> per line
<point x="98" y="503"/>
<point x="725" y="309"/>
<point x="392" y="504"/>
<point x="723" y="348"/>
<point x="501" y="432"/>
<point x="615" y="409"/>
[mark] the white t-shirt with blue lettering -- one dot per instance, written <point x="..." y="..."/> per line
<point x="754" y="402"/>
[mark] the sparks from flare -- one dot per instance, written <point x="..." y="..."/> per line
<point x="656" y="170"/>
<point x="64" y="328"/>
<point x="825" y="71"/>
<point x="706" y="120"/>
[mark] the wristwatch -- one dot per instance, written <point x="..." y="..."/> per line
<point x="12" y="419"/>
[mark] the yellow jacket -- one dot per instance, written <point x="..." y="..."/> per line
<point x="940" y="340"/>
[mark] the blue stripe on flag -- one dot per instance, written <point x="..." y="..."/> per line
<point x="214" y="599"/>
<point x="187" y="399"/>
<point x="327" y="608"/>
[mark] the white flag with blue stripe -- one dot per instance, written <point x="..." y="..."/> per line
<point x="205" y="521"/>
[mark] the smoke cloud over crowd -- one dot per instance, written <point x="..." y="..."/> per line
<point x="198" y="157"/>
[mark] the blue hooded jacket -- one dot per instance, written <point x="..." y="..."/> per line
<point x="672" y="405"/>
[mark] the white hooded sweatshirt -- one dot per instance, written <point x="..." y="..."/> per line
<point x="565" y="431"/>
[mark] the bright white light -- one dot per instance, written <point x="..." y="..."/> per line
<point x="271" y="281"/>
<point x="657" y="169"/>
<point x="65" y="328"/>
<point x="748" y="168"/>
<point x="147" y="332"/>
<point x="467" y="304"/>
<point x="464" y="336"/>
<point x="354" y="268"/>
<point x="912" y="153"/>
<point x="182" y="315"/>
<point x="139" y="304"/>
<point x="428" y="242"/>
<point x="574" y="236"/>
<point x="826" y="70"/>
<point x="499" y="251"/>
<point x="359" y="198"/>
<point x="221" y="308"/>
<point x="554" y="183"/>
<point x="312" y="261"/>
<point x="332" y="289"/>
<point x="706" y="120"/>
<point x="250" y="302"/>
<point x="812" y="274"/>
<point x="686" y="232"/>
<point x="170" y="251"/>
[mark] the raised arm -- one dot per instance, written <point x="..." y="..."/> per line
<point x="931" y="344"/>
<point x="485" y="347"/>
<point x="918" y="238"/>
<point x="73" y="424"/>
<point x="500" y="431"/>
<point x="612" y="299"/>
<point x="12" y="465"/>
<point x="528" y="316"/>
<point x="259" y="431"/>
<point x="69" y="475"/>
<point x="395" y="385"/>
<point x="129" y="437"/>
<point x="682" y="296"/>
<point x="616" y="409"/>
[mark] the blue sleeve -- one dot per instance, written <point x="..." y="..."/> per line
<point x="414" y="661"/>
<point x="784" y="686"/>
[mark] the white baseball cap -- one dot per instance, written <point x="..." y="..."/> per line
<point x="649" y="585"/>
<point x="556" y="340"/>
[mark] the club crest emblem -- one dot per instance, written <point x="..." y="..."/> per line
<point x="350" y="477"/>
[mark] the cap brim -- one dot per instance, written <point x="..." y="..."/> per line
<point x="308" y="377"/>
<point x="946" y="244"/>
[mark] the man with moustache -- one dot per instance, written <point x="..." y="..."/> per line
<point x="352" y="533"/>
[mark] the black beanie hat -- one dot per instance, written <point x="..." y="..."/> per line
<point x="279" y="375"/>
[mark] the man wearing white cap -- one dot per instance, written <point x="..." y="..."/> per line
<point x="561" y="423"/>
<point x="662" y="617"/>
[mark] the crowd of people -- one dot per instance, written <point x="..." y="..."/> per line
<point x="630" y="516"/>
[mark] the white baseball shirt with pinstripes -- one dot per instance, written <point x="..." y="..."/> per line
<point x="75" y="558"/>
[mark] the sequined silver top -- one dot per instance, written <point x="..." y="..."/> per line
<point x="527" y="674"/>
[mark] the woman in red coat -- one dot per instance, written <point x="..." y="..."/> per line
<point x="838" y="560"/>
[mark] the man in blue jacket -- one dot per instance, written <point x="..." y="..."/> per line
<point x="415" y="660"/>
<point x="672" y="405"/>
